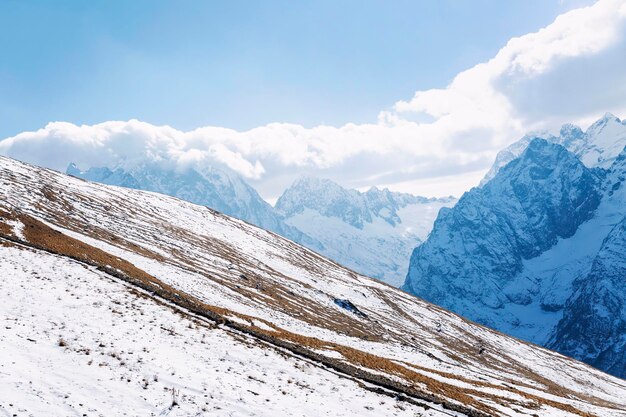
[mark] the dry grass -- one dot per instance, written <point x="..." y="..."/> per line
<point x="40" y="236"/>
<point x="58" y="210"/>
<point x="55" y="207"/>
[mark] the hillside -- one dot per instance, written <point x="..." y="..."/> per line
<point x="219" y="189"/>
<point x="344" y="225"/>
<point x="137" y="280"/>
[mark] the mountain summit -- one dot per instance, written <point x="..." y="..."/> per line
<point x="597" y="147"/>
<point x="371" y="232"/>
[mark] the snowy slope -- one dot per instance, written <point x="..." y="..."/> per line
<point x="139" y="351"/>
<point x="218" y="189"/>
<point x="519" y="254"/>
<point x="345" y="225"/>
<point x="597" y="147"/>
<point x="259" y="289"/>
<point x="373" y="233"/>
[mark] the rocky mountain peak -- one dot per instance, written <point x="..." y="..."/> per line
<point x="538" y="250"/>
<point x="477" y="248"/>
<point x="596" y="147"/>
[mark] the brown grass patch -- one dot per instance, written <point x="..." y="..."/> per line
<point x="40" y="236"/>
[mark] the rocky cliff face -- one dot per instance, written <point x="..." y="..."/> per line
<point x="593" y="326"/>
<point x="477" y="249"/>
<point x="533" y="253"/>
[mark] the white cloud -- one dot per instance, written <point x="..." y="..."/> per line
<point x="571" y="70"/>
<point x="442" y="186"/>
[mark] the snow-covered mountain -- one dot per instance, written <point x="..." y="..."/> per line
<point x="119" y="301"/>
<point x="593" y="326"/>
<point x="535" y="251"/>
<point x="372" y="232"/>
<point x="218" y="189"/>
<point x="598" y="146"/>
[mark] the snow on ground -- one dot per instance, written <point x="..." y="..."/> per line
<point x="74" y="341"/>
<point x="205" y="254"/>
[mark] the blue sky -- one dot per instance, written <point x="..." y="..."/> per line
<point x="240" y="64"/>
<point x="417" y="96"/>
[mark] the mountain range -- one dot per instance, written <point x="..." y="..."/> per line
<point x="598" y="146"/>
<point x="219" y="189"/>
<point x="348" y="226"/>
<point x="538" y="250"/>
<point x="356" y="227"/>
<point x="121" y="301"/>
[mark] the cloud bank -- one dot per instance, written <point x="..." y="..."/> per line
<point x="571" y="70"/>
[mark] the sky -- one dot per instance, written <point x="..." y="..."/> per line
<point x="414" y="95"/>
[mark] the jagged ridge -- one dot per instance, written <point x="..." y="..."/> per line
<point x="523" y="253"/>
<point x="371" y="232"/>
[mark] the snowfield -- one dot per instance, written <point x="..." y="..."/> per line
<point x="214" y="306"/>
<point x="123" y="354"/>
